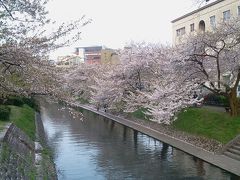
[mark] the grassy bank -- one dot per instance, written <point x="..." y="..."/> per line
<point x="208" y="123"/>
<point x="82" y="100"/>
<point x="139" y="114"/>
<point x="23" y="117"/>
<point x="2" y="124"/>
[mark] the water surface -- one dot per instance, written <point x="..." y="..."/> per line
<point x="98" y="148"/>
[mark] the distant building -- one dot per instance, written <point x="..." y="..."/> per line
<point x="97" y="55"/>
<point x="109" y="56"/>
<point x="204" y="19"/>
<point x="92" y="55"/>
<point x="69" y="60"/>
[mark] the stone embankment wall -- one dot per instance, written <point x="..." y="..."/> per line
<point x="22" y="158"/>
<point x="17" y="155"/>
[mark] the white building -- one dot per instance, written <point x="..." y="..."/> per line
<point x="205" y="18"/>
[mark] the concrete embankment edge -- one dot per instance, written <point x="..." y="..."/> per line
<point x="220" y="161"/>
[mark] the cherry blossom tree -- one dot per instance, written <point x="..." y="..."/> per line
<point x="120" y="83"/>
<point x="170" y="95"/>
<point x="200" y="3"/>
<point x="169" y="91"/>
<point x="109" y="83"/>
<point x="79" y="79"/>
<point x="25" y="43"/>
<point x="164" y="91"/>
<point x="212" y="60"/>
<point x="108" y="88"/>
<point x="147" y="77"/>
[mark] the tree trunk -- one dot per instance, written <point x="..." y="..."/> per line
<point x="233" y="101"/>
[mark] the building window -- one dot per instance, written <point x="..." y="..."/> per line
<point x="178" y="32"/>
<point x="191" y="27"/>
<point x="96" y="57"/>
<point x="181" y="31"/>
<point x="202" y="26"/>
<point x="238" y="10"/>
<point x="226" y="15"/>
<point x="213" y="22"/>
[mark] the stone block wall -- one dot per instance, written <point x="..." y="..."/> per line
<point x="17" y="155"/>
<point x="23" y="159"/>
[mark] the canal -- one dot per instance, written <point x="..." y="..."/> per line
<point x="97" y="148"/>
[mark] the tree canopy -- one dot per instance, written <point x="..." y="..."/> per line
<point x="25" y="43"/>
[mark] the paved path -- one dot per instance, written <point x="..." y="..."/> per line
<point x="215" y="108"/>
<point x="221" y="161"/>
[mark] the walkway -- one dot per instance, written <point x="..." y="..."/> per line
<point x="221" y="161"/>
<point x="215" y="108"/>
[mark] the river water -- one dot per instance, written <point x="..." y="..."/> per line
<point x="98" y="148"/>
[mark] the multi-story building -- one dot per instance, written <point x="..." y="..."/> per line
<point x="205" y="18"/>
<point x="97" y="55"/>
<point x="92" y="55"/>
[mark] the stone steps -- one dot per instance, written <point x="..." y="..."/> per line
<point x="232" y="155"/>
<point x="236" y="147"/>
<point x="233" y="151"/>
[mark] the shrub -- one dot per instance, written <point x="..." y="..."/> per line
<point x="223" y="100"/>
<point x="20" y="101"/>
<point x="13" y="100"/>
<point x="30" y="102"/>
<point x="4" y="112"/>
<point x="217" y="100"/>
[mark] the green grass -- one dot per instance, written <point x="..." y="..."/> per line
<point x="83" y="101"/>
<point x="208" y="123"/>
<point x="47" y="163"/>
<point x="2" y="124"/>
<point x="5" y="152"/>
<point x="139" y="114"/>
<point x="24" y="118"/>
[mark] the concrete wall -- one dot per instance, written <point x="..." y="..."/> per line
<point x="203" y="14"/>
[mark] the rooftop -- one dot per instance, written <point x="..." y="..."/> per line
<point x="91" y="48"/>
<point x="197" y="10"/>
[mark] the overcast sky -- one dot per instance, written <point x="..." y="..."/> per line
<point x="117" y="22"/>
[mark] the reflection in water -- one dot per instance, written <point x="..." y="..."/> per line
<point x="135" y="138"/>
<point x="124" y="133"/>
<point x="98" y="148"/>
<point x="112" y="125"/>
<point x="164" y="151"/>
